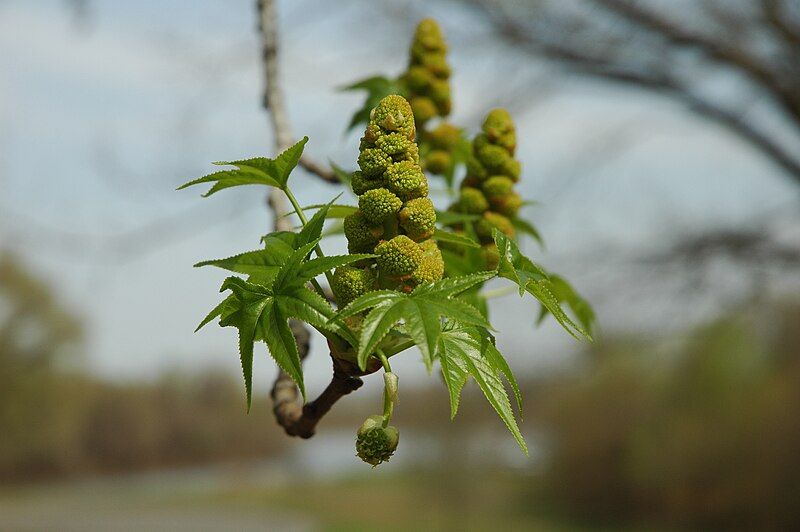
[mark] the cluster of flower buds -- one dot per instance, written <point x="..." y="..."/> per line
<point x="395" y="218"/>
<point x="488" y="189"/>
<point x="428" y="74"/>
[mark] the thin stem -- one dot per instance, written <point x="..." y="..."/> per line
<point x="499" y="292"/>
<point x="384" y="361"/>
<point x="304" y="221"/>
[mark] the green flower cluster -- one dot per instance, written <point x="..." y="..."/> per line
<point x="488" y="188"/>
<point x="395" y="218"/>
<point x="374" y="442"/>
<point x="428" y="74"/>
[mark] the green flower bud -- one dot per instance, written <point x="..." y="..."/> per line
<point x="418" y="218"/>
<point x="493" y="158"/>
<point x="497" y="186"/>
<point x="508" y="205"/>
<point x="375" y="443"/>
<point x="492" y="220"/>
<point x="444" y="137"/>
<point x="438" y="162"/>
<point x="349" y="283"/>
<point x="424" y="109"/>
<point x="361" y="184"/>
<point x="361" y="235"/>
<point x="399" y="256"/>
<point x="378" y="204"/>
<point x="373" y="162"/>
<point x="491" y="255"/>
<point x="406" y="180"/>
<point x="431" y="266"/>
<point x="472" y="201"/>
<point x="393" y="113"/>
<point x="418" y="78"/>
<point x="393" y="143"/>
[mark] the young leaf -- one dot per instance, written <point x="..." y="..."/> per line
<point x="341" y="174"/>
<point x="527" y="228"/>
<point x="256" y="171"/>
<point x="565" y="293"/>
<point x="531" y="278"/>
<point x="454" y="238"/>
<point x="470" y="350"/>
<point x="421" y="311"/>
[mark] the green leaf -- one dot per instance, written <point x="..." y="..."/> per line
<point x="454" y="238"/>
<point x="341" y="174"/>
<point x="527" y="228"/>
<point x="320" y="265"/>
<point x="261" y="263"/>
<point x="470" y="350"/>
<point x="261" y="312"/>
<point x="377" y="87"/>
<point x="421" y="312"/>
<point x="531" y="278"/>
<point x="256" y="171"/>
<point x="249" y="305"/>
<point x="312" y="230"/>
<point x="565" y="293"/>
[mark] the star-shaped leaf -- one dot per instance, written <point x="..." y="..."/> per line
<point x="261" y="311"/>
<point x="565" y="293"/>
<point x="421" y="312"/>
<point x="531" y="278"/>
<point x="470" y="351"/>
<point x="257" y="171"/>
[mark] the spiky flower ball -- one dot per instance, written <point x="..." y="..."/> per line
<point x="375" y="443"/>
<point x="488" y="188"/>
<point x="350" y="283"/>
<point x="395" y="218"/>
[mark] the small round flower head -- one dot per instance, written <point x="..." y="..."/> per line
<point x="375" y="443"/>
<point x="378" y="204"/>
<point x="361" y="184"/>
<point x="393" y="143"/>
<point x="418" y="218"/>
<point x="492" y="220"/>
<point x="361" y="235"/>
<point x="399" y="256"/>
<point x="411" y="154"/>
<point x="418" y="78"/>
<point x="429" y="36"/>
<point x="440" y="94"/>
<point x="497" y="186"/>
<point x="491" y="255"/>
<point x="431" y="266"/>
<point x="424" y="109"/>
<point x="512" y="168"/>
<point x="444" y="137"/>
<point x="393" y="113"/>
<point x="508" y="205"/>
<point x="437" y="64"/>
<point x="493" y="158"/>
<point x="406" y="180"/>
<point x="475" y="169"/>
<point x="438" y="161"/>
<point x="472" y="201"/>
<point x="373" y="162"/>
<point x="349" y="283"/>
<point x="499" y="129"/>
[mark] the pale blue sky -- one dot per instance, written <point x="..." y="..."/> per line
<point x="99" y="122"/>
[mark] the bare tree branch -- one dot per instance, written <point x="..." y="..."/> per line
<point x="296" y="419"/>
<point x="594" y="59"/>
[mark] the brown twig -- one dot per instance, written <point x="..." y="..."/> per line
<point x="296" y="419"/>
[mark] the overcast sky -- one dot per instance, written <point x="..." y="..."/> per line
<point x="102" y="115"/>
